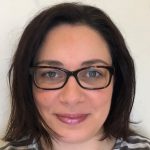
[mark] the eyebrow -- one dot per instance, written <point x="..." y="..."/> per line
<point x="94" y="61"/>
<point x="49" y="62"/>
<point x="58" y="63"/>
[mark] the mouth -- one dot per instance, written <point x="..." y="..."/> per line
<point x="72" y="119"/>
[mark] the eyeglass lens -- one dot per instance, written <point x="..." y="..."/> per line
<point x="51" y="78"/>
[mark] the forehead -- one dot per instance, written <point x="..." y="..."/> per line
<point x="72" y="45"/>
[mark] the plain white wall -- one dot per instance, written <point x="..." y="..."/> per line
<point x="131" y="16"/>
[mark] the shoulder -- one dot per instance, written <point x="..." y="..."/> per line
<point x="9" y="146"/>
<point x="2" y="144"/>
<point x="135" y="142"/>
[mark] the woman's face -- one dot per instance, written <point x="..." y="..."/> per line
<point x="76" y="114"/>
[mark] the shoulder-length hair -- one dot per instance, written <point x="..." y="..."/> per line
<point x="25" y="120"/>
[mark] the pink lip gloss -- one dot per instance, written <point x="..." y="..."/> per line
<point x="71" y="119"/>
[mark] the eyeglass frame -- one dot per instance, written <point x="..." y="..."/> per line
<point x="74" y="74"/>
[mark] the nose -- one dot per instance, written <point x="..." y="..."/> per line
<point x="72" y="93"/>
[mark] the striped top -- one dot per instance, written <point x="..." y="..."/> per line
<point x="135" y="142"/>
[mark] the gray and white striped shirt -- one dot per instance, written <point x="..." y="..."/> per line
<point x="135" y="142"/>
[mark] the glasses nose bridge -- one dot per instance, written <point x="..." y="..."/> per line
<point x="71" y="73"/>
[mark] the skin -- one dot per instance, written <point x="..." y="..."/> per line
<point x="70" y="47"/>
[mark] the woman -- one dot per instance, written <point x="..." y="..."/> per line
<point x="72" y="82"/>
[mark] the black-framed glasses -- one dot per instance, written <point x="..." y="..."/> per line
<point x="52" y="78"/>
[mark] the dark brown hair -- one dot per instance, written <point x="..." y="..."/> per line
<point x="25" y="120"/>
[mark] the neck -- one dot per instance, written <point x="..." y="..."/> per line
<point x="93" y="144"/>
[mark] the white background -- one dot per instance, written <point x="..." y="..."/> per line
<point x="131" y="16"/>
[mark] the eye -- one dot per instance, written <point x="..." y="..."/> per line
<point x="93" y="74"/>
<point x="50" y="74"/>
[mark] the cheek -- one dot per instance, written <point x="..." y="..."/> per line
<point x="101" y="102"/>
<point x="102" y="97"/>
<point x="43" y="99"/>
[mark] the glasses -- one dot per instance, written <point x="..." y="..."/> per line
<point x="52" y="78"/>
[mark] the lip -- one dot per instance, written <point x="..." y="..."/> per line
<point x="71" y="119"/>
